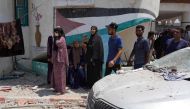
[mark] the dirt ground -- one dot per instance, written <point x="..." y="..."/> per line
<point x="32" y="92"/>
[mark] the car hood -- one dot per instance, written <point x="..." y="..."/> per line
<point x="139" y="88"/>
<point x="144" y="89"/>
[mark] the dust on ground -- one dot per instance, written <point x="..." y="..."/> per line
<point x="32" y="92"/>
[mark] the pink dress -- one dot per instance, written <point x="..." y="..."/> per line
<point x="60" y="64"/>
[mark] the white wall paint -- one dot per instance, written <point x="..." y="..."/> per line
<point x="26" y="37"/>
<point x="6" y="15"/>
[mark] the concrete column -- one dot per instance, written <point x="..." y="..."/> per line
<point x="186" y="19"/>
<point x="6" y="14"/>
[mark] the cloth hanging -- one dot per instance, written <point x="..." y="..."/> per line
<point x="11" y="39"/>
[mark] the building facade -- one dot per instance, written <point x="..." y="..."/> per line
<point x="127" y="13"/>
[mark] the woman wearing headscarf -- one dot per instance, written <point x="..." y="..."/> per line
<point x="60" y="61"/>
<point x="94" y="57"/>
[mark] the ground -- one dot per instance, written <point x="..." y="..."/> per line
<point x="32" y="92"/>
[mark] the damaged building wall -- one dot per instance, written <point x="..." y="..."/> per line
<point x="6" y="15"/>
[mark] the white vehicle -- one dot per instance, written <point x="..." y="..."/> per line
<point x="145" y="89"/>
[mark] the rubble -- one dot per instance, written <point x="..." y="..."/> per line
<point x="32" y="92"/>
<point x="5" y="88"/>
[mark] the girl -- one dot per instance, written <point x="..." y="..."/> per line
<point x="59" y="61"/>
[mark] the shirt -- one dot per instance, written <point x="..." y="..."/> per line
<point x="114" y="44"/>
<point x="174" y="46"/>
<point x="141" y="48"/>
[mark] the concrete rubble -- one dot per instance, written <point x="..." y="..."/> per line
<point x="32" y="92"/>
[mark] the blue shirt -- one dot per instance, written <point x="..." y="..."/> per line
<point x="140" y="49"/>
<point x="115" y="44"/>
<point x="174" y="46"/>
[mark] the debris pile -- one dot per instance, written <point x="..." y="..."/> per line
<point x="32" y="92"/>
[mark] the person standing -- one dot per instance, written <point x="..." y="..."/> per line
<point x="76" y="74"/>
<point x="177" y="42"/>
<point x="140" y="50"/>
<point x="60" y="61"/>
<point x="115" y="50"/>
<point x="49" y="56"/>
<point x="94" y="57"/>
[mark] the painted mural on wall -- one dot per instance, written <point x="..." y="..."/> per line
<point x="11" y="39"/>
<point x="76" y="21"/>
<point x="37" y="17"/>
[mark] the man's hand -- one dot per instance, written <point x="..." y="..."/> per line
<point x="111" y="63"/>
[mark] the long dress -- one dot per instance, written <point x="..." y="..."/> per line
<point x="60" y="64"/>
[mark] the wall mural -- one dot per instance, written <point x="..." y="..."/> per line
<point x="11" y="39"/>
<point x="76" y="22"/>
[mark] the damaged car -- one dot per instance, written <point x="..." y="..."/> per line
<point x="163" y="84"/>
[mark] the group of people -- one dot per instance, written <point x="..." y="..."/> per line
<point x="80" y="65"/>
<point x="170" y="40"/>
<point x="157" y="45"/>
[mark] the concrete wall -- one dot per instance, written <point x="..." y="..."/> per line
<point x="46" y="24"/>
<point x="6" y="15"/>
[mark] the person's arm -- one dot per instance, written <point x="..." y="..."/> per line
<point x="118" y="54"/>
<point x="129" y="62"/>
<point x="112" y="62"/>
<point x="62" y="55"/>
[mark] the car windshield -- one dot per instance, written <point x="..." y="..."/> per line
<point x="179" y="59"/>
